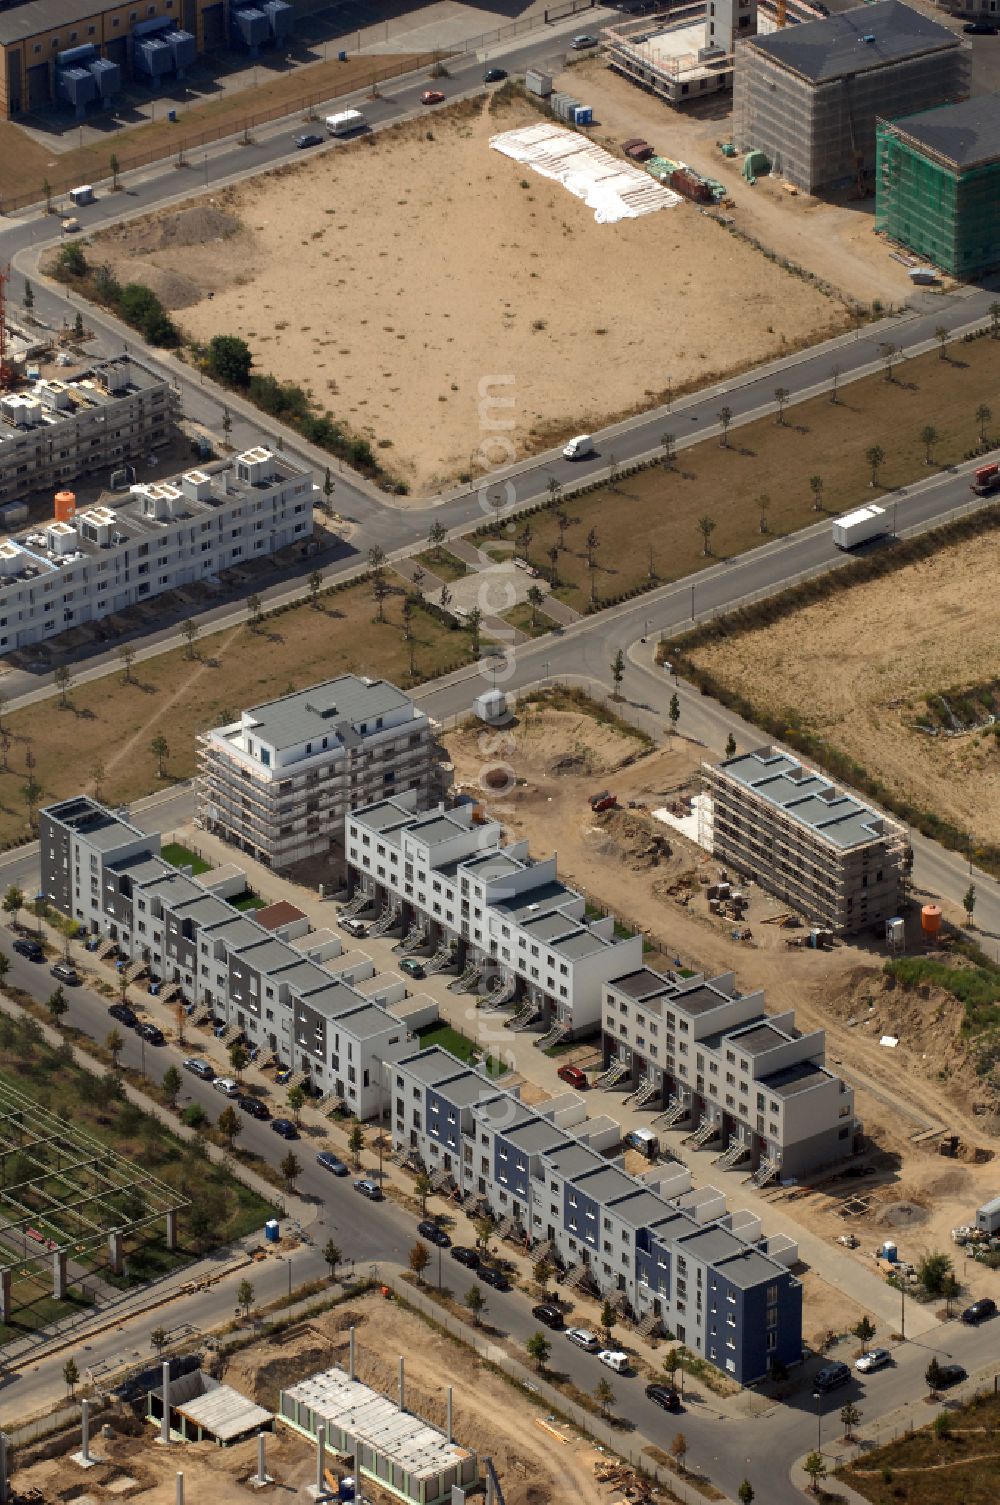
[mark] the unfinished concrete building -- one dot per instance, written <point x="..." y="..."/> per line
<point x="836" y="861"/>
<point x="809" y="96"/>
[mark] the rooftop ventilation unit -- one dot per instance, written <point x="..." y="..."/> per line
<point x="196" y="485"/>
<point x="255" y="466"/>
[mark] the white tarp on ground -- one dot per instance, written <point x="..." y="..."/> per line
<point x="612" y="188"/>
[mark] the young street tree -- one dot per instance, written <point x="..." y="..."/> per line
<point x="730" y="746"/>
<point x="436" y="537"/>
<point x="781" y="396"/>
<point x="725" y="419"/>
<point x="114" y="1045"/>
<point x="850" y="1416"/>
<point x="539" y="1348"/>
<point x="13" y="902"/>
<point x="126" y="657"/>
<point x="419" y="1258"/>
<point x="332" y="1256"/>
<point x="158" y="1339"/>
<point x="160" y="748"/>
<point x="57" y="1005"/>
<point x="422" y="1187"/>
<point x="356" y="1143"/>
<point x="928" y="438"/>
<point x="609" y="1319"/>
<point x="475" y="1301"/>
<point x="865" y="1331"/>
<point x="983" y="416"/>
<point x="941" y="335"/>
<point x="706" y="527"/>
<point x="764" y="505"/>
<point x="745" y="1494"/>
<point x="678" y="1450"/>
<point x="668" y="445"/>
<point x="815" y="1467"/>
<point x="969" y="903"/>
<point x="618" y="674"/>
<point x="296" y="1101"/>
<point x="230" y="1124"/>
<point x="62" y="678"/>
<point x="674" y="712"/>
<point x="932" y="1375"/>
<point x="254" y="611"/>
<point x="290" y="1170"/>
<point x="171" y="1084"/>
<point x="239" y="1059"/>
<point x="816" y="487"/>
<point x="932" y="1271"/>
<point x="189" y="632"/>
<point x="542" y="1274"/>
<point x="875" y="457"/>
<point x="29" y="297"/>
<point x="71" y="1376"/>
<point x="536" y="598"/>
<point x="244" y="1296"/>
<point x="604" y="1395"/>
<point x="315" y="586"/>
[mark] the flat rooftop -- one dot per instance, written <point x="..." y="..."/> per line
<point x="964" y="135"/>
<point x="98" y="824"/>
<point x="337" y="706"/>
<point x="97" y="386"/>
<point x="641" y="984"/>
<point x="805" y="796"/>
<point x="854" y="41"/>
<point x="794" y="1079"/>
<point x="756" y="1039"/>
<point x="535" y="1137"/>
<point x="372" y="1418"/>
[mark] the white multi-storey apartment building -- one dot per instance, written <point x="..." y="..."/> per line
<point x="309" y="1004"/>
<point x="56" y="430"/>
<point x="279" y="782"/>
<point x="162" y="535"/>
<point x="511" y="925"/>
<point x="837" y="861"/>
<point x="710" y="1054"/>
<point x="669" y="1253"/>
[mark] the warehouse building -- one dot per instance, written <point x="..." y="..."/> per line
<point x="53" y="432"/>
<point x="833" y="859"/>
<point x="669" y="1256"/>
<point x="711" y="1057"/>
<point x="88" y="564"/>
<point x="810" y="96"/>
<point x="81" y="51"/>
<point x="279" y="782"/>
<point x="937" y="185"/>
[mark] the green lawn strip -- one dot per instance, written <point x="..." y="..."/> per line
<point x="460" y="1045"/>
<point x="443" y="563"/>
<point x="179" y="855"/>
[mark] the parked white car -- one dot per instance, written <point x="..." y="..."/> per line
<point x="226" y="1086"/>
<point x="614" y="1359"/>
<point x="875" y="1358"/>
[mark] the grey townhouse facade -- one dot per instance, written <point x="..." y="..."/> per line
<point x="279" y="782"/>
<point x="58" y="575"/>
<point x="708" y="1055"/>
<point x="670" y="1255"/>
<point x="443" y="878"/>
<point x="312" y="1006"/>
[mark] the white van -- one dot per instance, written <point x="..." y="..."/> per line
<point x="614" y="1359"/>
<point x="346" y="123"/>
<point x="579" y="448"/>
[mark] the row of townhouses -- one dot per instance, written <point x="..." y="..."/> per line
<point x="53" y="431"/>
<point x="672" y="1257"/>
<point x="280" y="782"/>
<point x="443" y="878"/>
<point x="296" y="995"/>
<point x="162" y="535"/>
<point x="709" y="1056"/>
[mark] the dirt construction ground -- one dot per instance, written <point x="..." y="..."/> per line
<point x="857" y="669"/>
<point x="647" y="874"/>
<point x="391" y="275"/>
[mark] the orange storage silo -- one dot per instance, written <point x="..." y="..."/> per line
<point x="930" y="919"/>
<point x="65" y="506"/>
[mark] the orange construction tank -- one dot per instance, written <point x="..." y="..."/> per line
<point x="65" y="506"/>
<point x="930" y="919"/>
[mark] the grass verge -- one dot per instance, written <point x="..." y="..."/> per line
<point x="460" y="1045"/>
<point x="955" y="1460"/>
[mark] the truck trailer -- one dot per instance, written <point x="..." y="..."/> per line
<point x="859" y="526"/>
<point x="986" y="479"/>
<point x="346" y="123"/>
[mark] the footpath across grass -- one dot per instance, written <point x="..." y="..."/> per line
<point x="647" y="528"/>
<point x="955" y="1460"/>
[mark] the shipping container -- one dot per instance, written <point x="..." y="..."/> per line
<point x="859" y="526"/>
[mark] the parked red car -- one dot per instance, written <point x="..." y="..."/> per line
<point x="573" y="1075"/>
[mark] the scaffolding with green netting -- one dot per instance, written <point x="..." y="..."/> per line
<point x="946" y="211"/>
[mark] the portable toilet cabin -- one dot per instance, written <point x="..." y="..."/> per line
<point x="280" y="18"/>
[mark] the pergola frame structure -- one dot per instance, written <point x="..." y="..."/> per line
<point x="79" y="1195"/>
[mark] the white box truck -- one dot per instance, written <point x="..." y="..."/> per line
<point x="346" y="123"/>
<point x="859" y="526"/>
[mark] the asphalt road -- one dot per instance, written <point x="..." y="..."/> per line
<point x="729" y="1446"/>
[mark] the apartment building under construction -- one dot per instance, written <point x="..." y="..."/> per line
<point x="830" y="857"/>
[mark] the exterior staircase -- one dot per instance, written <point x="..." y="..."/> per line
<point x="501" y="994"/>
<point x="705" y="1131"/>
<point x="505" y="1228"/>
<point x="439" y="960"/>
<point x="329" y="1103"/>
<point x="553" y="1035"/>
<point x="738" y="1150"/>
<point x="414" y="937"/>
<point x="358" y="903"/>
<point x="651" y="1326"/>
<point x="297" y="1079"/>
<point x="386" y="920"/>
<point x="466" y="981"/>
<point x="642" y="1094"/>
<point x="767" y="1171"/>
<point x="525" y="1016"/>
<point x="676" y="1110"/>
<point x="442" y="1180"/>
<point x="578" y="1277"/>
<point x="613" y="1075"/>
<point x="232" y="1034"/>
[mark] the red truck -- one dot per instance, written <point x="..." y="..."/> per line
<point x="986" y="479"/>
<point x="603" y="801"/>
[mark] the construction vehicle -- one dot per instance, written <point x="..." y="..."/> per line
<point x="605" y="800"/>
<point x="986" y="479"/>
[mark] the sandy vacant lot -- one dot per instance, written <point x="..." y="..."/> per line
<point x="856" y="669"/>
<point x="392" y="276"/>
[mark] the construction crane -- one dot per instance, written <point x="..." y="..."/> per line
<point x="6" y="369"/>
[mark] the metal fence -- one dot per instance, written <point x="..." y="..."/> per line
<point x="308" y="104"/>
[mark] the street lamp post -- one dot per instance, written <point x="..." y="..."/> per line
<point x="818" y="1398"/>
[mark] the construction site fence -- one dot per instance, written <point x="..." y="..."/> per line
<point x="307" y="105"/>
<point x="54" y="1422"/>
<point x="616" y="1440"/>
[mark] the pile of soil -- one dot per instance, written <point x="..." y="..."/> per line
<point x="630" y="839"/>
